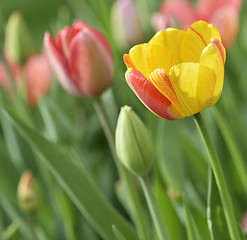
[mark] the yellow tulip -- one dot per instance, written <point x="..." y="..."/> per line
<point x="178" y="73"/>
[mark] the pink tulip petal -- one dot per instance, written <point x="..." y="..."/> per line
<point x="90" y="63"/>
<point x="183" y="11"/>
<point x="59" y="64"/>
<point x="38" y="75"/>
<point x="226" y="20"/>
<point x="99" y="36"/>
<point x="63" y="39"/>
<point x="149" y="95"/>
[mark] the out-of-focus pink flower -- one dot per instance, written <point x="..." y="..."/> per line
<point x="126" y="26"/>
<point x="81" y="58"/>
<point x="244" y="223"/>
<point x="38" y="76"/>
<point x="4" y="77"/>
<point x="35" y="76"/>
<point x="223" y="14"/>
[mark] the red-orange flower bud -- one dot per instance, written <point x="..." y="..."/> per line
<point x="82" y="59"/>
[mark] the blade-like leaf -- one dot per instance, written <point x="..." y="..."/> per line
<point x="117" y="233"/>
<point x="76" y="182"/>
<point x="216" y="218"/>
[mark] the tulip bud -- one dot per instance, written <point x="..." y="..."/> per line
<point x="38" y="77"/>
<point x="226" y="20"/>
<point x="133" y="145"/>
<point x="81" y="58"/>
<point x="126" y="26"/>
<point x="26" y="193"/>
<point x="18" y="39"/>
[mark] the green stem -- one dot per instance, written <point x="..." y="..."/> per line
<point x="220" y="179"/>
<point x="136" y="210"/>
<point x="33" y="225"/>
<point x="208" y="204"/>
<point x="233" y="148"/>
<point x="154" y="208"/>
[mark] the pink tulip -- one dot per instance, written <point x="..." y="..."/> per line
<point x="4" y="77"/>
<point x="81" y="58"/>
<point x="35" y="76"/>
<point x="126" y="25"/>
<point x="223" y="14"/>
<point x="244" y="223"/>
<point x="38" y="77"/>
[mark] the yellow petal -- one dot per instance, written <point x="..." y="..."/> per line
<point x="183" y="78"/>
<point x="159" y="56"/>
<point x="194" y="85"/>
<point x="138" y="57"/>
<point x="197" y="37"/>
<point x="212" y="58"/>
<point x="206" y="83"/>
<point x="171" y="38"/>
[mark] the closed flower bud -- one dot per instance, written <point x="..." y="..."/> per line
<point x="26" y="193"/>
<point x="133" y="145"/>
<point x="38" y="77"/>
<point x="126" y="26"/>
<point x="18" y="39"/>
<point x="81" y="58"/>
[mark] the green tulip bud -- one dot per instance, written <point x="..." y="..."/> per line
<point x="26" y="193"/>
<point x="17" y="39"/>
<point x="133" y="145"/>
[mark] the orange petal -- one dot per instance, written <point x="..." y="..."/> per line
<point x="161" y="81"/>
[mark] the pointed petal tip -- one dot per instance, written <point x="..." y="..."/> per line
<point x="221" y="48"/>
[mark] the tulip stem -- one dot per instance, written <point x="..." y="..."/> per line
<point x="32" y="219"/>
<point x="233" y="148"/>
<point x="154" y="208"/>
<point x="220" y="179"/>
<point x="135" y="202"/>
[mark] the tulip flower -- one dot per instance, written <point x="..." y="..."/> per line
<point x="126" y="25"/>
<point x="81" y="58"/>
<point x="178" y="73"/>
<point x="38" y="77"/>
<point x="34" y="76"/>
<point x="26" y="193"/>
<point x="18" y="43"/>
<point x="133" y="144"/>
<point x="224" y="14"/>
<point x="244" y="223"/>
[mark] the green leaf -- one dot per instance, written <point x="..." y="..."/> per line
<point x="12" y="231"/>
<point x="217" y="222"/>
<point x="192" y="230"/>
<point x="76" y="182"/>
<point x="118" y="233"/>
<point x="174" y="227"/>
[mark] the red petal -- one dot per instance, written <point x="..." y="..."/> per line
<point x="63" y="39"/>
<point x="90" y="64"/>
<point x="59" y="64"/>
<point x="149" y="95"/>
<point x="80" y="25"/>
